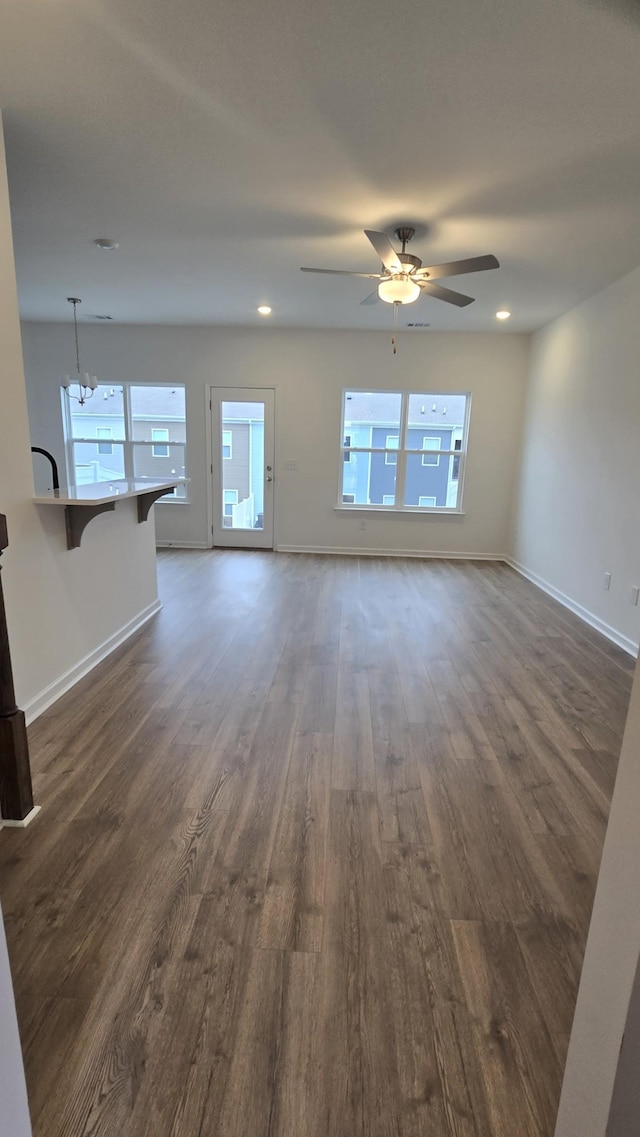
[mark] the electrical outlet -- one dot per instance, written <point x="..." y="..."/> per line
<point x="290" y="464"/>
<point x="606" y="583"/>
<point x="635" y="593"/>
<point x="363" y="524"/>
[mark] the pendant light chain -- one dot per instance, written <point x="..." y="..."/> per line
<point x="75" y="303"/>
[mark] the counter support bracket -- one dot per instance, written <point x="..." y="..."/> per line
<point x="77" y="517"/>
<point x="146" y="500"/>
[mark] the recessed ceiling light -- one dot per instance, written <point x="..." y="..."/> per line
<point x="264" y="310"/>
<point x="503" y="314"/>
<point x="106" y="243"/>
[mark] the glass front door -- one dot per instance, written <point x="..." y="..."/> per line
<point x="242" y="432"/>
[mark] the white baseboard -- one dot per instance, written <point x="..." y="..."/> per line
<point x="182" y="544"/>
<point x="421" y="553"/>
<point x="9" y="823"/>
<point x="612" y="634"/>
<point x="40" y="702"/>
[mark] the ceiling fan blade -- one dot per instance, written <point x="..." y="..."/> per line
<point x="458" y="268"/>
<point x="446" y="294"/>
<point x="372" y="298"/>
<point x="385" y="250"/>
<point x="344" y="272"/>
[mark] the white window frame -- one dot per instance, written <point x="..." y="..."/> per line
<point x="227" y="434"/>
<point x="352" y="496"/>
<point x="402" y="453"/>
<point x="426" y="501"/>
<point x="429" y="451"/>
<point x="388" y="499"/>
<point x="128" y="442"/>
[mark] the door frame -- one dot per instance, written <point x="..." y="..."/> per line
<point x="211" y="390"/>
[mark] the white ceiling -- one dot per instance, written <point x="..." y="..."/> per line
<point x="225" y="143"/>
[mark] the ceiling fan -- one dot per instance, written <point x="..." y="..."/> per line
<point x="403" y="279"/>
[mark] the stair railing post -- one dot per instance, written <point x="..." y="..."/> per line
<point x="16" y="793"/>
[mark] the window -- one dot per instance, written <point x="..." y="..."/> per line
<point x="160" y="436"/>
<point x="230" y="499"/>
<point x="393" y="443"/>
<point x="455" y="461"/>
<point x="431" y="444"/>
<point x="227" y="436"/>
<point x="104" y="447"/>
<point x="130" y="431"/>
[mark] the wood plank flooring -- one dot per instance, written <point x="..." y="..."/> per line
<point x="317" y="856"/>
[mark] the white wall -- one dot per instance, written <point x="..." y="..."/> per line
<point x="577" y="515"/>
<point x="611" y="956"/>
<point x="308" y="370"/>
<point x="61" y="605"/>
<point x="14" y="1111"/>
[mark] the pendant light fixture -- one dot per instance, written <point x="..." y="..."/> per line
<point x="86" y="383"/>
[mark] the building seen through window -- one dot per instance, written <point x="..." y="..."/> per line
<point x="128" y="431"/>
<point x="403" y="449"/>
<point x="242" y="437"/>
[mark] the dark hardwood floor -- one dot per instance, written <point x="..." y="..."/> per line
<point x="317" y="856"/>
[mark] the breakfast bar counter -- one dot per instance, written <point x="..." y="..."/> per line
<point x="84" y="502"/>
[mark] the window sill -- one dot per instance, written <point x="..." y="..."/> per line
<point x="408" y="511"/>
<point x="173" y="501"/>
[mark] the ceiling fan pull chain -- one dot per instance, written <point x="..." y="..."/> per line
<point x="395" y="327"/>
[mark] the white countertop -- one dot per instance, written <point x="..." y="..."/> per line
<point x="98" y="493"/>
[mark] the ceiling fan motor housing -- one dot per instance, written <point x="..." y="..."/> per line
<point x="409" y="262"/>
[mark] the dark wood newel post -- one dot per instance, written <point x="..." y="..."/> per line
<point x="16" y="794"/>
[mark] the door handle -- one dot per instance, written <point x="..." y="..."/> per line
<point x="268" y="478"/>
